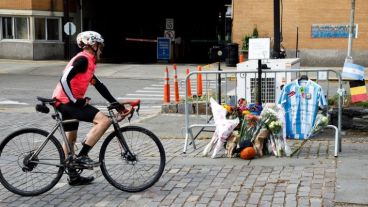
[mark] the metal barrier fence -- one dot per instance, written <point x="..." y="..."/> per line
<point x="239" y="84"/>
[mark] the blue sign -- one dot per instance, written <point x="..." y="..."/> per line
<point x="163" y="48"/>
<point x="332" y="31"/>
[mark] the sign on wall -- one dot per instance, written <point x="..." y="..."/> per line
<point x="333" y="31"/>
<point x="259" y="48"/>
<point x="169" y="24"/>
<point x="170" y="34"/>
<point x="163" y="48"/>
<point x="69" y="28"/>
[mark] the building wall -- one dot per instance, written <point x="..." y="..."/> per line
<point x="44" y="5"/>
<point x="302" y="14"/>
<point x="32" y="49"/>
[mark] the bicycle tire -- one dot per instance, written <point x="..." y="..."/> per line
<point x="149" y="149"/>
<point x="39" y="179"/>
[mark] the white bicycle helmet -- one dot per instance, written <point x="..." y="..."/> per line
<point x="88" y="38"/>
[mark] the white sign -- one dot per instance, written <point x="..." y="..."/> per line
<point x="322" y="75"/>
<point x="170" y="23"/>
<point x="170" y="34"/>
<point x="69" y="28"/>
<point x="259" y="48"/>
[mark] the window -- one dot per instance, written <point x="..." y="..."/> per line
<point x="40" y="29"/>
<point x="21" y="28"/>
<point x="7" y="28"/>
<point x="15" y="27"/>
<point x="47" y="28"/>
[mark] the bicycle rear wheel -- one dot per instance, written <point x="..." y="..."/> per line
<point x="132" y="174"/>
<point x="27" y="177"/>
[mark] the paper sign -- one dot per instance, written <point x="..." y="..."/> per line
<point x="259" y="48"/>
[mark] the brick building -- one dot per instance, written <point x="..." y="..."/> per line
<point x="315" y="49"/>
<point x="33" y="29"/>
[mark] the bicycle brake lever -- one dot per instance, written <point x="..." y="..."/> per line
<point x="138" y="107"/>
<point x="131" y="115"/>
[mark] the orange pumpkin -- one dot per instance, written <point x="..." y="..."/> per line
<point x="247" y="153"/>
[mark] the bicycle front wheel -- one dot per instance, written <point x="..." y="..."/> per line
<point x="29" y="177"/>
<point x="132" y="173"/>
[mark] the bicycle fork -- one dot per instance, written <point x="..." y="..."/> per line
<point x="128" y="155"/>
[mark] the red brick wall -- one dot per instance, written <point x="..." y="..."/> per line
<point x="302" y="14"/>
<point x="16" y="4"/>
<point x="42" y="5"/>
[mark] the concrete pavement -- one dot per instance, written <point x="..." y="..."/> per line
<point x="314" y="177"/>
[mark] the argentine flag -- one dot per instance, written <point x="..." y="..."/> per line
<point x="352" y="72"/>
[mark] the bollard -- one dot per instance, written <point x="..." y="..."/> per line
<point x="199" y="82"/>
<point x="176" y="85"/>
<point x="189" y="89"/>
<point x="166" y="87"/>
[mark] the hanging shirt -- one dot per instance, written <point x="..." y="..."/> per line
<point x="300" y="100"/>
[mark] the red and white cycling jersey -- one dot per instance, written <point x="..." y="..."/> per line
<point x="77" y="87"/>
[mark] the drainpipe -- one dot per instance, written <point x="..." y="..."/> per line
<point x="67" y="37"/>
<point x="349" y="58"/>
<point x="276" y="26"/>
<point x="81" y="14"/>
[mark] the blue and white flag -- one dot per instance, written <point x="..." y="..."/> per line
<point x="352" y="72"/>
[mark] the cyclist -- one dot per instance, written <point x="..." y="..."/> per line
<point x="72" y="103"/>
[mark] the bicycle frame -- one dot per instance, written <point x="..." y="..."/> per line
<point x="70" y="152"/>
<point x="58" y="125"/>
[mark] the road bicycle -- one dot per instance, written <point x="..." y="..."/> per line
<point x="32" y="161"/>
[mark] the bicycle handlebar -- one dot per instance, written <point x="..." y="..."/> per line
<point x="133" y="103"/>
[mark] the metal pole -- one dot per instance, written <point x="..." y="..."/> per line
<point x="67" y="37"/>
<point x="219" y="81"/>
<point x="81" y="15"/>
<point x="297" y="42"/>
<point x="259" y="84"/>
<point x="276" y="28"/>
<point x="349" y="58"/>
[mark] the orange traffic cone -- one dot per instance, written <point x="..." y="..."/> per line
<point x="166" y="87"/>
<point x="189" y="89"/>
<point x="199" y="82"/>
<point x="176" y="86"/>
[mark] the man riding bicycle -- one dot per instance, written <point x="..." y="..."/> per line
<point x="72" y="103"/>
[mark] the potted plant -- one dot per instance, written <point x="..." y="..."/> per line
<point x="245" y="42"/>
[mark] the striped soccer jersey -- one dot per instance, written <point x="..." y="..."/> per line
<point x="300" y="100"/>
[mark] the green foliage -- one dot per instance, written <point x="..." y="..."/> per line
<point x="246" y="38"/>
<point x="255" y="32"/>
<point x="363" y="104"/>
<point x="333" y="101"/>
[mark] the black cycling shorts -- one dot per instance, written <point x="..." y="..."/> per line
<point x="71" y="111"/>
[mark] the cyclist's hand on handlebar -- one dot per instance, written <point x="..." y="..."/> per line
<point x="124" y="112"/>
<point x="82" y="102"/>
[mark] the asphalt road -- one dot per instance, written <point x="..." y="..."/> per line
<point x="21" y="90"/>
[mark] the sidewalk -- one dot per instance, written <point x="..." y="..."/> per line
<point x="314" y="177"/>
<point x="131" y="71"/>
<point x="351" y="166"/>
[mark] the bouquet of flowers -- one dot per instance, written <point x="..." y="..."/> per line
<point x="320" y="123"/>
<point x="266" y="129"/>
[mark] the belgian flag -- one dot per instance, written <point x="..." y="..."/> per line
<point x="358" y="91"/>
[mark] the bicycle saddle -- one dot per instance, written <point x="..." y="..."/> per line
<point x="46" y="100"/>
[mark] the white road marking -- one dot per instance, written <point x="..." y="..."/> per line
<point x="10" y="102"/>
